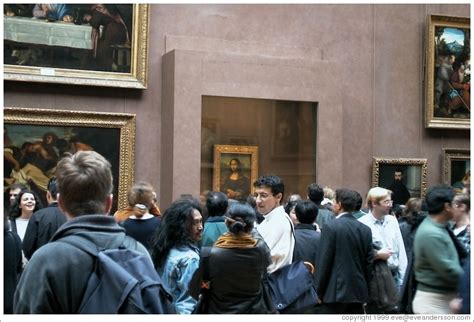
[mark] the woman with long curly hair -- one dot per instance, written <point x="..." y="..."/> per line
<point x="175" y="251"/>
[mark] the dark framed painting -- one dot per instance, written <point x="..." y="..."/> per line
<point x="457" y="168"/>
<point x="36" y="139"/>
<point x="401" y="175"/>
<point x="235" y="170"/>
<point x="77" y="43"/>
<point x="448" y="72"/>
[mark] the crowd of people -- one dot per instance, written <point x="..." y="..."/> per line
<point x="366" y="259"/>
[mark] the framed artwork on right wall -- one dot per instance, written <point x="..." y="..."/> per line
<point x="447" y="72"/>
<point x="457" y="168"/>
<point x="405" y="177"/>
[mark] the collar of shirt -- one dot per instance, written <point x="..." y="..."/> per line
<point x="341" y="214"/>
<point x="376" y="221"/>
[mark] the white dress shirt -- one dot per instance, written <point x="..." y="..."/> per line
<point x="386" y="233"/>
<point x="275" y="229"/>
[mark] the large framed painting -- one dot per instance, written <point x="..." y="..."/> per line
<point x="405" y="177"/>
<point x="35" y="140"/>
<point x="77" y="43"/>
<point x="448" y="72"/>
<point x="235" y="170"/>
<point x="457" y="168"/>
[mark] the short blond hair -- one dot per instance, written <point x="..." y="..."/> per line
<point x="375" y="195"/>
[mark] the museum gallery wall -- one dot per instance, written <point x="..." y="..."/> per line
<point x="379" y="108"/>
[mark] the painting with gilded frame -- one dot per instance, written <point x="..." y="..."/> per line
<point x="457" y="167"/>
<point x="235" y="170"/>
<point x="79" y="44"/>
<point x="413" y="174"/>
<point x="448" y="72"/>
<point x="37" y="138"/>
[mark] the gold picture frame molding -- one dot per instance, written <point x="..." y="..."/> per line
<point x="377" y="161"/>
<point x="137" y="78"/>
<point x="122" y="121"/>
<point x="430" y="120"/>
<point x="234" y="149"/>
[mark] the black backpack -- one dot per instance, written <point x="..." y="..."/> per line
<point x="123" y="281"/>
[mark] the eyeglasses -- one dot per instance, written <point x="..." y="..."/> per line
<point x="387" y="202"/>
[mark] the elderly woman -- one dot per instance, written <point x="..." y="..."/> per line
<point x="235" y="266"/>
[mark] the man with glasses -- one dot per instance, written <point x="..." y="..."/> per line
<point x="276" y="229"/>
<point x="386" y="235"/>
<point x="44" y="223"/>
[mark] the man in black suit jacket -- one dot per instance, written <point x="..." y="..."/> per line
<point x="345" y="259"/>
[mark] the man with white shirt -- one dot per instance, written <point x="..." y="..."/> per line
<point x="386" y="233"/>
<point x="276" y="229"/>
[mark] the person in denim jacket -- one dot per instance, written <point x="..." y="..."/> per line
<point x="175" y="252"/>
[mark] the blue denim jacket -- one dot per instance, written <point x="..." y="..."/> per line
<point x="176" y="274"/>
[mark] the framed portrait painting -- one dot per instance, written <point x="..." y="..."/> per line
<point x="235" y="170"/>
<point x="457" y="168"/>
<point x="77" y="43"/>
<point x="36" y="139"/>
<point x="448" y="72"/>
<point x="406" y="178"/>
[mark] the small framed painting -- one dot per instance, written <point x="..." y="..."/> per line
<point x="457" y="168"/>
<point x="235" y="170"/>
<point x="406" y="178"/>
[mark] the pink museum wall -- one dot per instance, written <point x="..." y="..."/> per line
<point x="374" y="55"/>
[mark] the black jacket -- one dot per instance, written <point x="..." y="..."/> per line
<point x="236" y="279"/>
<point x="345" y="261"/>
<point x="55" y="278"/>
<point x="12" y="266"/>
<point x="41" y="227"/>
<point x="306" y="243"/>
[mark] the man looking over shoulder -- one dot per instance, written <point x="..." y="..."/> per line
<point x="56" y="277"/>
<point x="276" y="229"/>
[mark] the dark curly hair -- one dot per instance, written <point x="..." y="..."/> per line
<point x="174" y="229"/>
<point x="15" y="210"/>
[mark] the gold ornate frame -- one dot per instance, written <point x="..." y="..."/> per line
<point x="220" y="152"/>
<point x="450" y="155"/>
<point x="432" y="121"/>
<point x="125" y="123"/>
<point x="137" y="78"/>
<point x="377" y="162"/>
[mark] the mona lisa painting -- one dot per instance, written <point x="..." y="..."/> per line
<point x="235" y="169"/>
